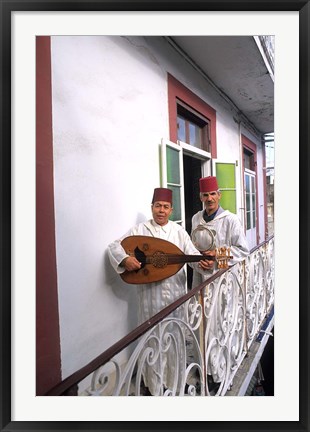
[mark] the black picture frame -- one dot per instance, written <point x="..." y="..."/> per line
<point x="7" y="7"/>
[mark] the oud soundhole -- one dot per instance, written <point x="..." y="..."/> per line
<point x="145" y="272"/>
<point x="145" y="247"/>
<point x="159" y="259"/>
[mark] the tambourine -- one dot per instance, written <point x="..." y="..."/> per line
<point x="203" y="238"/>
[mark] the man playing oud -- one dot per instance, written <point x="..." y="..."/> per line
<point x="155" y="296"/>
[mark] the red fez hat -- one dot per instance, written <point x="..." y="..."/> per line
<point x="162" y="194"/>
<point x="208" y="184"/>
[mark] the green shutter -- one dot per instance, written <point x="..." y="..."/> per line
<point x="171" y="160"/>
<point x="226" y="178"/>
<point x="173" y="181"/>
<point x="173" y="166"/>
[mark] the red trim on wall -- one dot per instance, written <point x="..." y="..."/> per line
<point x="251" y="146"/>
<point x="48" y="364"/>
<point x="176" y="90"/>
<point x="246" y="143"/>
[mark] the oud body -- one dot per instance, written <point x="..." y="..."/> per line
<point x="159" y="259"/>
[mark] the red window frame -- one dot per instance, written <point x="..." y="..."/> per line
<point x="252" y="148"/>
<point x="177" y="91"/>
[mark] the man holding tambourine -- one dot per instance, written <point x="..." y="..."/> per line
<point x="215" y="229"/>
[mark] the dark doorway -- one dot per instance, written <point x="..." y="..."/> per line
<point x="192" y="174"/>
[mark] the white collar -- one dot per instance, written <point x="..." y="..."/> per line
<point x="164" y="228"/>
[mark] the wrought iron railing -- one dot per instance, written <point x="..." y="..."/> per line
<point x="197" y="354"/>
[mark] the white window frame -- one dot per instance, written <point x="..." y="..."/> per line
<point x="182" y="147"/>
<point x="178" y="148"/>
<point x="252" y="173"/>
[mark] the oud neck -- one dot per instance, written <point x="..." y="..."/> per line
<point x="167" y="259"/>
<point x="181" y="259"/>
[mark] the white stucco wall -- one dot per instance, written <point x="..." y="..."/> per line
<point x="110" y="112"/>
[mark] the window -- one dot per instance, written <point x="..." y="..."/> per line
<point x="192" y="128"/>
<point x="248" y="159"/>
<point x="192" y="135"/>
<point x="174" y="180"/>
<point x="191" y="119"/>
<point x="250" y="194"/>
<point x="172" y="177"/>
<point x="250" y="191"/>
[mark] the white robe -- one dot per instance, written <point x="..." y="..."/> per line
<point x="154" y="296"/>
<point x="228" y="232"/>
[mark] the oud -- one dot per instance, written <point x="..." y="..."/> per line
<point x="161" y="259"/>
